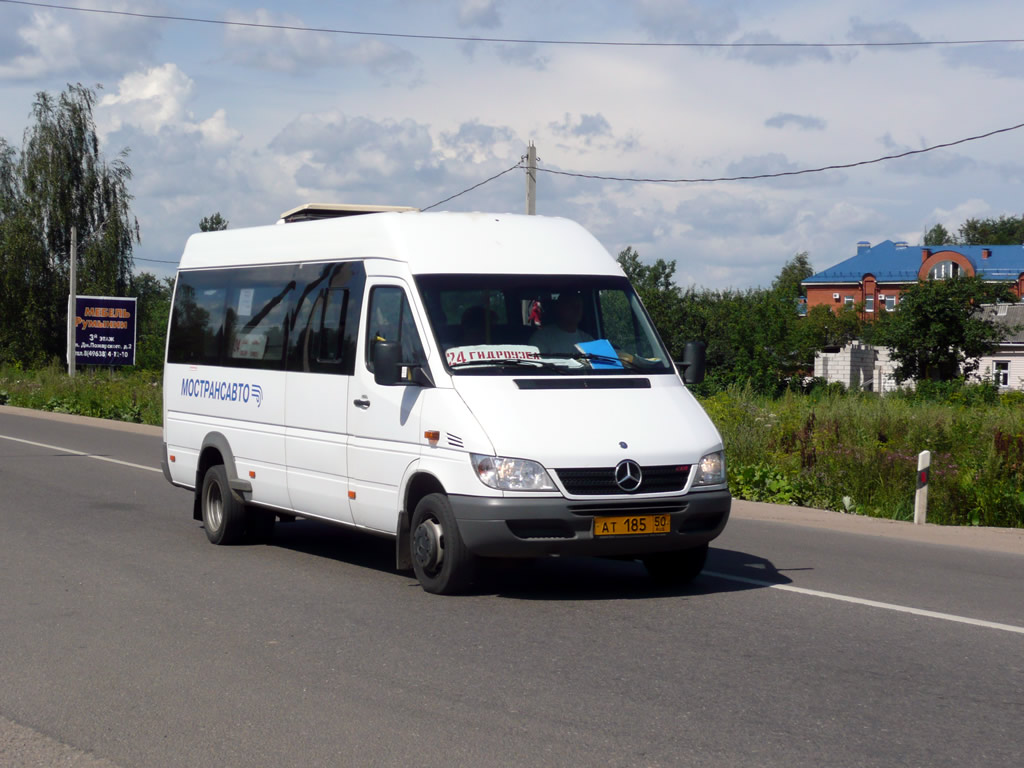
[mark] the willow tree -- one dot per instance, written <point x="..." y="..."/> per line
<point x="58" y="180"/>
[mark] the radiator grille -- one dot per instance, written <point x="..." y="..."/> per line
<point x="601" y="481"/>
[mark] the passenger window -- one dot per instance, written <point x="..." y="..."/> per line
<point x="324" y="325"/>
<point x="390" y="319"/>
<point x="197" y="327"/>
<point x="257" y="311"/>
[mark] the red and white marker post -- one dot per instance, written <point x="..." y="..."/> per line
<point x="924" y="462"/>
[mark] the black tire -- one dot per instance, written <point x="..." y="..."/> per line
<point x="259" y="525"/>
<point x="223" y="511"/>
<point x="674" y="569"/>
<point x="440" y="559"/>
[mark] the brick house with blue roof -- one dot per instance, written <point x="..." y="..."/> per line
<point x="877" y="276"/>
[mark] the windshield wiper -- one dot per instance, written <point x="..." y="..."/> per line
<point x="614" y="362"/>
<point x="511" y="362"/>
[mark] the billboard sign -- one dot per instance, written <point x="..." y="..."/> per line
<point x="104" y="330"/>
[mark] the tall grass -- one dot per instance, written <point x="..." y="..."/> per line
<point x="858" y="453"/>
<point x="134" y="396"/>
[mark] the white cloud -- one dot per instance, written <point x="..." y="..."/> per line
<point x="766" y="51"/>
<point x="690" y="21"/>
<point x="586" y="128"/>
<point x="776" y="162"/>
<point x="936" y="163"/>
<point x="479" y="13"/>
<point x="54" y="43"/>
<point x="804" y="122"/>
<point x="522" y="55"/>
<point x="380" y="57"/>
<point x="882" y="32"/>
<point x="283" y="50"/>
<point x="150" y="100"/>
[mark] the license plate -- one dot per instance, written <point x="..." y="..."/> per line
<point x="630" y="525"/>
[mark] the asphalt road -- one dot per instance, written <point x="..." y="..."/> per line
<point x="126" y="639"/>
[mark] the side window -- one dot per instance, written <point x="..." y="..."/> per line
<point x="326" y="318"/>
<point x="256" y="319"/>
<point x="197" y="322"/>
<point x="390" y="319"/>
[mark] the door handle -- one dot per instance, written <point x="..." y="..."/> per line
<point x="361" y="402"/>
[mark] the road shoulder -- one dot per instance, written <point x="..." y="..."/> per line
<point x="1007" y="540"/>
<point x="67" y="418"/>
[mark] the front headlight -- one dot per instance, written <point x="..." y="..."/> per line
<point x="511" y="474"/>
<point x="711" y="469"/>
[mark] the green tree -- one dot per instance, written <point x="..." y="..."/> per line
<point x="655" y="284"/>
<point x="59" y="180"/>
<point x="938" y="235"/>
<point x="938" y="331"/>
<point x="793" y="273"/>
<point x="1006" y="230"/>
<point x="824" y="328"/>
<point x="153" y="307"/>
<point x="213" y="223"/>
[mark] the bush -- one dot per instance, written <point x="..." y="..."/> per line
<point x="858" y="452"/>
<point x="135" y="396"/>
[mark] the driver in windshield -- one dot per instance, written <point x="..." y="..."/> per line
<point x="562" y="333"/>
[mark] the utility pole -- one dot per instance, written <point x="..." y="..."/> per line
<point x="71" y="302"/>
<point x="531" y="180"/>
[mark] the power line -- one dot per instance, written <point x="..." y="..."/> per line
<point x="733" y="178"/>
<point x="157" y="261"/>
<point x="510" y="40"/>
<point x="470" y="189"/>
<point x="786" y="173"/>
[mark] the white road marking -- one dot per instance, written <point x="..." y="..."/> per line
<point x="80" y="453"/>
<point x="870" y="603"/>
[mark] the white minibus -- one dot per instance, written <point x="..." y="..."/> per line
<point x="471" y="385"/>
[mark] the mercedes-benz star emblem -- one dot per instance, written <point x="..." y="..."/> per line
<point x="628" y="475"/>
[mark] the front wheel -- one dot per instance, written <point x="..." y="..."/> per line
<point x="440" y="559"/>
<point x="676" y="568"/>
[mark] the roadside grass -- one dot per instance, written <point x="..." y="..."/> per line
<point x="134" y="396"/>
<point x="857" y="453"/>
<point x="853" y="453"/>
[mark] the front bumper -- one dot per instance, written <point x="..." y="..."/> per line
<point x="550" y="526"/>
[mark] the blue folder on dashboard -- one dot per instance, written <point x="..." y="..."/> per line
<point x="607" y="357"/>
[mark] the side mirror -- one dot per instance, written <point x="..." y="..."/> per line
<point x="388" y="365"/>
<point x="387" y="362"/>
<point x="694" y="360"/>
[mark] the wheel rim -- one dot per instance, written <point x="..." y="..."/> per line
<point x="428" y="546"/>
<point x="214" y="506"/>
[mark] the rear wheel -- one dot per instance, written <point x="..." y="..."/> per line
<point x="676" y="568"/>
<point x="223" y="511"/>
<point x="440" y="559"/>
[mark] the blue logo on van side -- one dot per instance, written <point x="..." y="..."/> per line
<point x="205" y="389"/>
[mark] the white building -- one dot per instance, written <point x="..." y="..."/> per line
<point x="869" y="368"/>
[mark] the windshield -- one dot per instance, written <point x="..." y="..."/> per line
<point x="543" y="324"/>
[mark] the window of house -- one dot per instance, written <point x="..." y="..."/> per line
<point x="848" y="301"/>
<point x="890" y="303"/>
<point x="869" y="303"/>
<point x="944" y="269"/>
<point x="1002" y="373"/>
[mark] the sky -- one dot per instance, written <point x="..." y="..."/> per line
<point x="250" y="121"/>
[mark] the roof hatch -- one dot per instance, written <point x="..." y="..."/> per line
<point x="314" y="211"/>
